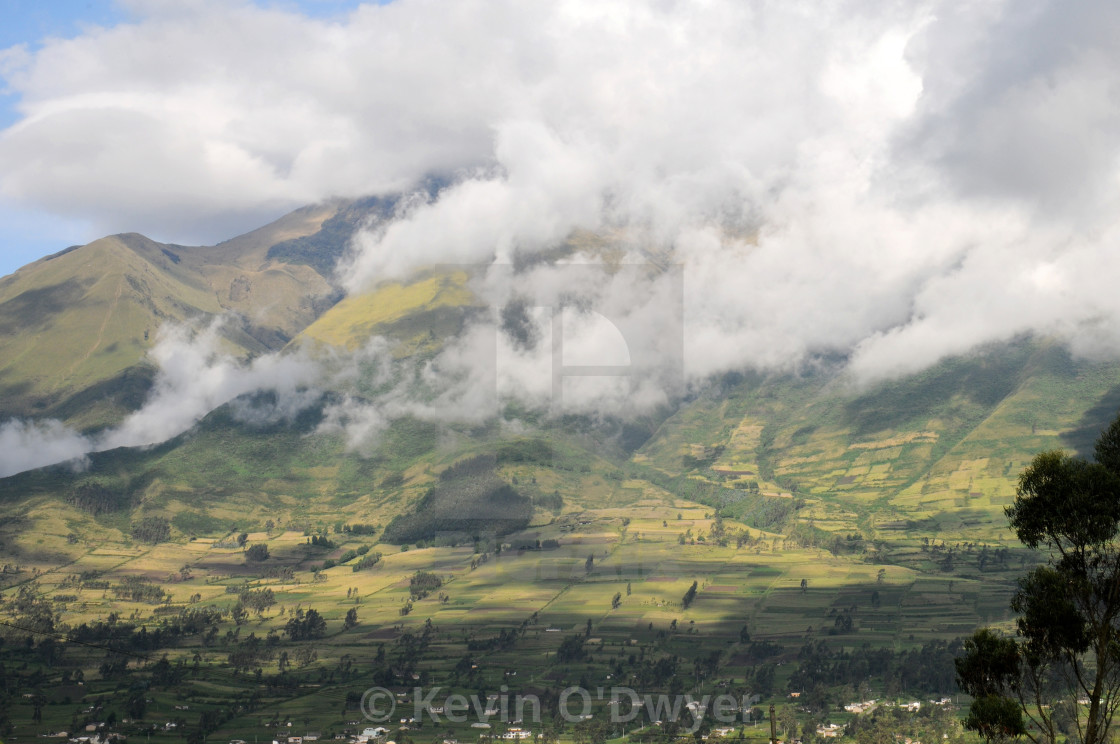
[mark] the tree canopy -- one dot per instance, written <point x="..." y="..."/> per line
<point x="1066" y="652"/>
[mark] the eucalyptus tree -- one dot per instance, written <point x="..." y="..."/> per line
<point x="1066" y="651"/>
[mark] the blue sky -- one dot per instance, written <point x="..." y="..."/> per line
<point x="30" y="21"/>
<point x="27" y="233"/>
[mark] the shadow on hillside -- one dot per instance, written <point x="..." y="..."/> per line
<point x="35" y="307"/>
<point x="1083" y="437"/>
<point x="985" y="380"/>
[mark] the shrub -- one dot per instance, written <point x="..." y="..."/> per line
<point x="152" y="530"/>
<point x="368" y="561"/>
<point x="423" y="583"/>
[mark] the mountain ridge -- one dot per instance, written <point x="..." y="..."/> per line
<point x="76" y="326"/>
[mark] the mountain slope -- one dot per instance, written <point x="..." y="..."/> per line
<point x="808" y="515"/>
<point x="931" y="454"/>
<point x="934" y="453"/>
<point x="75" y="326"/>
<point x="417" y="315"/>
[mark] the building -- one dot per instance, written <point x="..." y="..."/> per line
<point x="859" y="707"/>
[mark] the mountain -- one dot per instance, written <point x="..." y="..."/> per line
<point x="415" y="314"/>
<point x="924" y="455"/>
<point x="75" y="326"/>
<point x="928" y="455"/>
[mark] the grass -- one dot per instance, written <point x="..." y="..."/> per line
<point x="75" y="329"/>
<point x="943" y="448"/>
<point x="758" y="587"/>
<point x="358" y="318"/>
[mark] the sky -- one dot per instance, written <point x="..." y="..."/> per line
<point x="878" y="182"/>
<point x="29" y="230"/>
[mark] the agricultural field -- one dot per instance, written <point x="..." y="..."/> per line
<point x="599" y="604"/>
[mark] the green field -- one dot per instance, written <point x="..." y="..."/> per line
<point x="497" y="619"/>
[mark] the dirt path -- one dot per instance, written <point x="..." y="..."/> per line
<point x="101" y="330"/>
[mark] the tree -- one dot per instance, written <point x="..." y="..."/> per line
<point x="305" y="626"/>
<point x="315" y="625"/>
<point x="423" y="583"/>
<point x="989" y="672"/>
<point x="1067" y="647"/>
<point x="690" y="595"/>
<point x="152" y="530"/>
<point x="351" y="619"/>
<point x="571" y="649"/>
<point x="137" y="705"/>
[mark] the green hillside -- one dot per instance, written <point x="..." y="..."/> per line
<point x="416" y="315"/>
<point x="812" y="459"/>
<point x="933" y="455"/>
<point x="75" y="327"/>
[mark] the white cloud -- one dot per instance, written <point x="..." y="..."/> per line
<point x="893" y="182"/>
<point x="25" y="445"/>
<point x="195" y="377"/>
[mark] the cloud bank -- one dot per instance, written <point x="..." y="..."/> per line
<point x="883" y="182"/>
<point x="195" y="377"/>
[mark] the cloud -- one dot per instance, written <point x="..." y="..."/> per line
<point x="199" y="118"/>
<point x="195" y="376"/>
<point x="1020" y="102"/>
<point x="886" y="184"/>
<point x="882" y="182"/>
<point x="25" y="445"/>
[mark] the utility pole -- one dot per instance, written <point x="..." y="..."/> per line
<point x="773" y="726"/>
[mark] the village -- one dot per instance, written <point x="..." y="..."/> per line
<point x="98" y="733"/>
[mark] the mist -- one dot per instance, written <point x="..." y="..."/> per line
<point x="26" y="445"/>
<point x="195" y="376"/>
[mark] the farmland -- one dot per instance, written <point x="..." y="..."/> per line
<point x="497" y="619"/>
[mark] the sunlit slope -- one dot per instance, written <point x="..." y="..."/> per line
<point x="226" y="472"/>
<point x="278" y="299"/>
<point x="75" y="327"/>
<point x="417" y="315"/>
<point x="83" y="318"/>
<point x="935" y="452"/>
